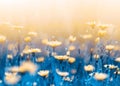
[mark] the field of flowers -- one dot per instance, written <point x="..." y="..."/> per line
<point x="90" y="59"/>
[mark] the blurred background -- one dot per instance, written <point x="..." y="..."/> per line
<point x="59" y="17"/>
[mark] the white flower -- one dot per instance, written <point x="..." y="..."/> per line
<point x="43" y="73"/>
<point x="112" y="66"/>
<point x="96" y="56"/>
<point x="100" y="76"/>
<point x="62" y="73"/>
<point x="89" y="68"/>
<point x="11" y="78"/>
<point x="117" y="59"/>
<point x="10" y="56"/>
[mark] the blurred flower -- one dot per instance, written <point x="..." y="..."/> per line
<point x="40" y="59"/>
<point x="68" y="53"/>
<point x="32" y="34"/>
<point x="109" y="47"/>
<point x="35" y="50"/>
<point x="87" y="36"/>
<point x="96" y="56"/>
<point x="11" y="78"/>
<point x="105" y="65"/>
<point x="71" y="48"/>
<point x="45" y="41"/>
<point x="97" y="40"/>
<point x="62" y="73"/>
<point x="2" y="39"/>
<point x="43" y="73"/>
<point x="14" y="69"/>
<point x="71" y="59"/>
<point x="100" y="76"/>
<point x="64" y="57"/>
<point x="102" y="33"/>
<point x="103" y="26"/>
<point x="28" y="66"/>
<point x="67" y="79"/>
<point x="117" y="59"/>
<point x="72" y="38"/>
<point x="89" y="68"/>
<point x="92" y="24"/>
<point x="27" y="39"/>
<point x="10" y="56"/>
<point x="34" y="83"/>
<point x="54" y="43"/>
<point x="31" y="50"/>
<point x="112" y="66"/>
<point x="18" y="28"/>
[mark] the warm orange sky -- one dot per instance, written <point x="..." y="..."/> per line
<point x="59" y="15"/>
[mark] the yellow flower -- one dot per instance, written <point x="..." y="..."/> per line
<point x="45" y="41"/>
<point x="27" y="39"/>
<point x="89" y="68"/>
<point x="92" y="24"/>
<point x="72" y="38"/>
<point x="54" y="43"/>
<point x="31" y="50"/>
<point x="43" y="73"/>
<point x="2" y="39"/>
<point x="41" y="59"/>
<point x="11" y="78"/>
<point x="97" y="39"/>
<point x="102" y="33"/>
<point x="87" y="36"/>
<point x="64" y="57"/>
<point x="100" y="76"/>
<point x="35" y="50"/>
<point x="109" y="47"/>
<point x="103" y="26"/>
<point x="71" y="60"/>
<point x="71" y="48"/>
<point x="28" y="67"/>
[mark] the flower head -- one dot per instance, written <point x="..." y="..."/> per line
<point x="89" y="68"/>
<point x="43" y="73"/>
<point x="62" y="73"/>
<point x="100" y="76"/>
<point x="71" y="60"/>
<point x="72" y="38"/>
